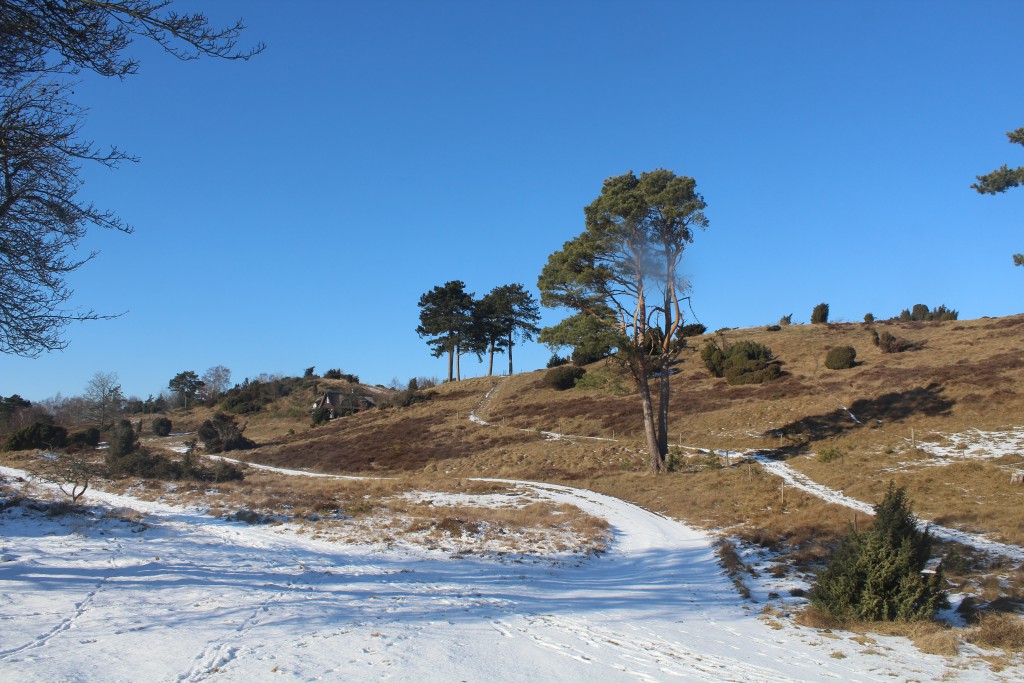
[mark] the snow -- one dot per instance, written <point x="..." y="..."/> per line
<point x="140" y="590"/>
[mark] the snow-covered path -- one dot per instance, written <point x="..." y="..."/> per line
<point x="193" y="597"/>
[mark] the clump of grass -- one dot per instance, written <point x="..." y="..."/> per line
<point x="1004" y="631"/>
<point x="829" y="454"/>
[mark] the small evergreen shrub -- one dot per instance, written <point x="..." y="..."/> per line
<point x="87" y="438"/>
<point x="745" y="362"/>
<point x="122" y="439"/>
<point x="841" y="358"/>
<point x="773" y="328"/>
<point x="563" y="377"/>
<point x="161" y="426"/>
<point x="869" y="318"/>
<point x="37" y="435"/>
<point x="890" y="343"/>
<point x="691" y="330"/>
<point x="221" y="433"/>
<point x="556" y="361"/>
<point x="786" y="320"/>
<point x="877" y="575"/>
<point x="819" y="316"/>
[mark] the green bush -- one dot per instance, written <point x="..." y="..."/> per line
<point x="37" y="435"/>
<point x="563" y="377"/>
<point x="556" y="360"/>
<point x="745" y="362"/>
<point x="819" y="315"/>
<point x="773" y="328"/>
<point x="122" y="439"/>
<point x="869" y="318"/>
<point x="691" y="330"/>
<point x="87" y="438"/>
<point x="877" y="575"/>
<point x="890" y="343"/>
<point x="221" y="433"/>
<point x="161" y="426"/>
<point x="841" y="358"/>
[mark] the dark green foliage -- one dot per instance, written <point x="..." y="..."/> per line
<point x="841" y="358"/>
<point x="446" y="319"/>
<point x="186" y="384"/>
<point x="877" y="575"/>
<point x="309" y="372"/>
<point x="122" y="439"/>
<point x="335" y="373"/>
<point x="890" y="343"/>
<point x="819" y="315"/>
<point x="161" y="426"/>
<point x="773" y="328"/>
<point x="745" y="362"/>
<point x="251" y="397"/>
<point x="588" y="335"/>
<point x="691" y="330"/>
<point x="221" y="433"/>
<point x="321" y="415"/>
<point x="9" y="406"/>
<point x="556" y="361"/>
<point x="87" y="438"/>
<point x="869" y="318"/>
<point x="563" y="377"/>
<point x="921" y="313"/>
<point x="786" y="320"/>
<point x="37" y="435"/>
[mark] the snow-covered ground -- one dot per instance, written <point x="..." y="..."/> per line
<point x="143" y="591"/>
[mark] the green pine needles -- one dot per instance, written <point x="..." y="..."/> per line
<point x="877" y="575"/>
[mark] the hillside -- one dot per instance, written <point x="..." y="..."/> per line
<point x="964" y="377"/>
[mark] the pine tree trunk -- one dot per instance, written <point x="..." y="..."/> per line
<point x="490" y="362"/>
<point x="663" y="397"/>
<point x="458" y="363"/>
<point x="509" y="354"/>
<point x="450" y="363"/>
<point x="638" y="369"/>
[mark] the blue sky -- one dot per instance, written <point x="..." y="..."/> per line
<point x="290" y="210"/>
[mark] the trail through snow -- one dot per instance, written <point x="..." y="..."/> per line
<point x="194" y="597"/>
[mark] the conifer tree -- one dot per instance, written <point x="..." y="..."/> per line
<point x="877" y="575"/>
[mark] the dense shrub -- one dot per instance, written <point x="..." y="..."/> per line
<point x="37" y="435"/>
<point x="877" y="575"/>
<point x="890" y="343"/>
<point x="819" y="315"/>
<point x="841" y="358"/>
<point x="585" y="355"/>
<point x="921" y="313"/>
<point x="691" y="330"/>
<point x="869" y="318"/>
<point x="556" y="361"/>
<point x="122" y="439"/>
<point x="87" y="438"/>
<point x="563" y="377"/>
<point x="161" y="426"/>
<point x="745" y="362"/>
<point x="773" y="328"/>
<point x="404" y="399"/>
<point x="250" y="397"/>
<point x="221" y="433"/>
<point x="335" y="373"/>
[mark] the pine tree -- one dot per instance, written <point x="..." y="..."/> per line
<point x="877" y="575"/>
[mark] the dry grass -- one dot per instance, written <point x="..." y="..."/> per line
<point x="1003" y="631"/>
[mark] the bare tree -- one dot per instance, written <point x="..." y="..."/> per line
<point x="104" y="397"/>
<point x="43" y="43"/>
<point x="216" y="381"/>
<point x="71" y="473"/>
